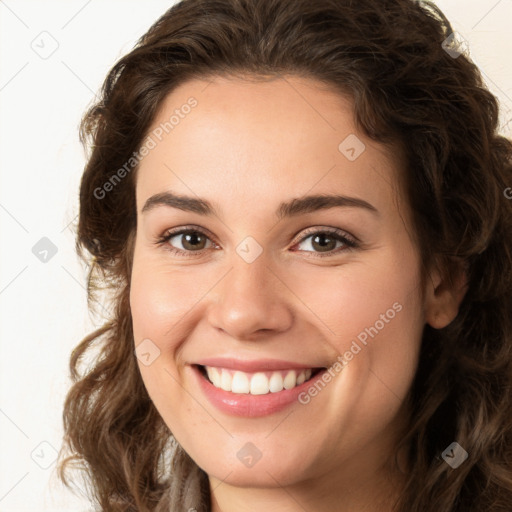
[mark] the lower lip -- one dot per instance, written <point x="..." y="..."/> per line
<point x="251" y="406"/>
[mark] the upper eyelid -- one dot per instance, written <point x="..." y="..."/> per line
<point x="330" y="230"/>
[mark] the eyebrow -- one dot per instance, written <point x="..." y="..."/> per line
<point x="294" y="207"/>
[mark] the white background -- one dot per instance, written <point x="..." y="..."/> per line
<point x="43" y="305"/>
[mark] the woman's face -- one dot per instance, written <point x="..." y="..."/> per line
<point x="271" y="284"/>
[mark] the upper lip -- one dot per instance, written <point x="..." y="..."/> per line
<point x="253" y="365"/>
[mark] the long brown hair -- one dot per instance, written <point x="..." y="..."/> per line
<point x="391" y="58"/>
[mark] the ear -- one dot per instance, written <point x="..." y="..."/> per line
<point x="443" y="295"/>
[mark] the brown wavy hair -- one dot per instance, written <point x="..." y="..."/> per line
<point x="388" y="57"/>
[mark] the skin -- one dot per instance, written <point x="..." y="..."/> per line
<point x="246" y="147"/>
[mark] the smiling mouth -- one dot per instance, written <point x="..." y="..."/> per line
<point x="256" y="383"/>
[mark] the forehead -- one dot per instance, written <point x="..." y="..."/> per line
<point x="226" y="137"/>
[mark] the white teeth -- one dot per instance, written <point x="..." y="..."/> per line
<point x="260" y="383"/>
<point x="225" y="380"/>
<point x="240" y="383"/>
<point x="214" y="376"/>
<point x="276" y="382"/>
<point x="290" y="380"/>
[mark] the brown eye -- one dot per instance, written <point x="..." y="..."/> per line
<point x="325" y="241"/>
<point x="187" y="241"/>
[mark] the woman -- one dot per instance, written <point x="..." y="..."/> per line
<point x="342" y="338"/>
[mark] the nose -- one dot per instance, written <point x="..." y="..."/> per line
<point x="250" y="300"/>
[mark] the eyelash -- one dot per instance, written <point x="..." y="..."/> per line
<point x="349" y="241"/>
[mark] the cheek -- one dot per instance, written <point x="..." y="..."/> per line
<point x="161" y="299"/>
<point x="349" y="300"/>
<point x="371" y="315"/>
<point x="162" y="302"/>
